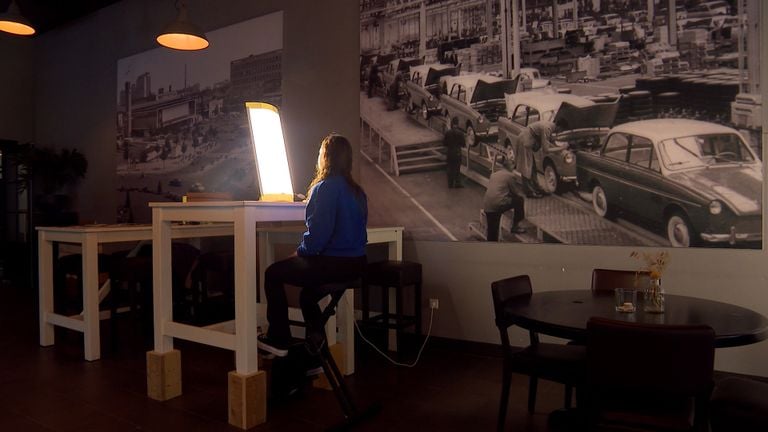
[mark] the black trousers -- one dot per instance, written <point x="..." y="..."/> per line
<point x="310" y="274"/>
<point x="493" y="219"/>
<point x="453" y="167"/>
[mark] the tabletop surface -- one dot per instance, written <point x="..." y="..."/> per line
<point x="262" y="204"/>
<point x="96" y="227"/>
<point x="565" y="314"/>
<point x="99" y="228"/>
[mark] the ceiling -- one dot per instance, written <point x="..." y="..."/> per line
<point x="49" y="14"/>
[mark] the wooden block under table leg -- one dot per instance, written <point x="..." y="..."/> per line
<point x="337" y="351"/>
<point x="163" y="375"/>
<point x="247" y="399"/>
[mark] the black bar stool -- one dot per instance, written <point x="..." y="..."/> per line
<point x="397" y="274"/>
<point x="316" y="345"/>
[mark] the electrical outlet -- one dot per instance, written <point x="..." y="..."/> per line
<point x="434" y="303"/>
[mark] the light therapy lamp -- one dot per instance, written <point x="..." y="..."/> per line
<point x="272" y="173"/>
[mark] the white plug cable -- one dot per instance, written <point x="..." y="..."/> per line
<point x="383" y="354"/>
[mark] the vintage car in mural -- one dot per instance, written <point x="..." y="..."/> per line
<point x="400" y="66"/>
<point x="698" y="180"/>
<point x="477" y="101"/>
<point x="424" y="87"/>
<point x="581" y="125"/>
<point x="530" y="79"/>
<point x="708" y="9"/>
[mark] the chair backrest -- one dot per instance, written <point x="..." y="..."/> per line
<point x="604" y="280"/>
<point x="505" y="289"/>
<point x="183" y="259"/>
<point x="649" y="359"/>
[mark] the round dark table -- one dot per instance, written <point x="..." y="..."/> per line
<point x="565" y="314"/>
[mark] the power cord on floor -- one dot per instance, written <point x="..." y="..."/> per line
<point x="383" y="354"/>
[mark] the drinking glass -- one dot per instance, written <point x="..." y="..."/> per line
<point x="626" y="299"/>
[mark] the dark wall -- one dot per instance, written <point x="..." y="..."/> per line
<point x="17" y="80"/>
<point x="77" y="79"/>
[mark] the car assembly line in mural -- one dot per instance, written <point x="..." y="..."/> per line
<point x="654" y="108"/>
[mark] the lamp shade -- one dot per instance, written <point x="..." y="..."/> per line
<point x="272" y="172"/>
<point x="182" y="34"/>
<point x="12" y="22"/>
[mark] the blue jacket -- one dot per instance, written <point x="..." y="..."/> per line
<point x="336" y="220"/>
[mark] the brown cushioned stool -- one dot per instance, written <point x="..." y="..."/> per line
<point x="399" y="275"/>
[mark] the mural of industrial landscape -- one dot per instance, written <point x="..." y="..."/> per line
<point x="654" y="108"/>
<point x="181" y="121"/>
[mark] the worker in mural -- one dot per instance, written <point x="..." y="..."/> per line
<point x="454" y="142"/>
<point x="502" y="195"/>
<point x="532" y="139"/>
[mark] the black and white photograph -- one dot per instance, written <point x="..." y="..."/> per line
<point x="181" y="120"/>
<point x="581" y="122"/>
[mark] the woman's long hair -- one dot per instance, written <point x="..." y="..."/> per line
<point x="335" y="159"/>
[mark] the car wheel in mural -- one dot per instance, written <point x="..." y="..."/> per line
<point x="656" y="112"/>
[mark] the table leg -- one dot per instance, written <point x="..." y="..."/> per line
<point x="163" y="375"/>
<point x="247" y="399"/>
<point x="246" y="354"/>
<point x="347" y="329"/>
<point x="266" y="257"/>
<point x="162" y="290"/>
<point x="395" y="254"/>
<point x="90" y="254"/>
<point x="45" y="287"/>
<point x="247" y="386"/>
<point x="164" y="363"/>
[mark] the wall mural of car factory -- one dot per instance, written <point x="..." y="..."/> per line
<point x="625" y="122"/>
<point x="181" y="121"/>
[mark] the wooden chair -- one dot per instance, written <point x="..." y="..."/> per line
<point x="739" y="404"/>
<point x="213" y="287"/>
<point x="132" y="276"/>
<point x="555" y="362"/>
<point x="605" y="280"/>
<point x="647" y="376"/>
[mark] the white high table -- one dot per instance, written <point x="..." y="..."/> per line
<point x="247" y="384"/>
<point x="90" y="237"/>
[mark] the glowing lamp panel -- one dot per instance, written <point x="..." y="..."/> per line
<point x="269" y="151"/>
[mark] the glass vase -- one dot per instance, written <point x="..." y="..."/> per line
<point x="654" y="297"/>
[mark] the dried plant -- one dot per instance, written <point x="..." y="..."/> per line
<point x="653" y="263"/>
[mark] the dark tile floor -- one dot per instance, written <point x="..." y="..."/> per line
<point x="54" y="389"/>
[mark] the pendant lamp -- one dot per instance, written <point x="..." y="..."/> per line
<point x="182" y="34"/>
<point x="12" y="22"/>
